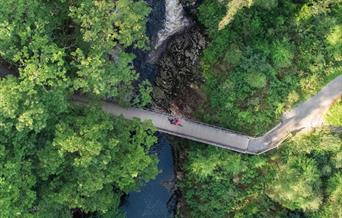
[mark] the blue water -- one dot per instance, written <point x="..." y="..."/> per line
<point x="152" y="200"/>
<point x="155" y="199"/>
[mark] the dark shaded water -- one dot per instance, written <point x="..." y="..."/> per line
<point x="152" y="200"/>
<point x="155" y="199"/>
<point x="5" y="69"/>
<point x="154" y="24"/>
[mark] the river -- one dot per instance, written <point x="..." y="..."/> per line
<point x="156" y="199"/>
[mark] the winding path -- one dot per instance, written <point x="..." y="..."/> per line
<point x="306" y="115"/>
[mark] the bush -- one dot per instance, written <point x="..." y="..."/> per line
<point x="266" y="4"/>
<point x="256" y="80"/>
<point x="282" y="54"/>
<point x="233" y="56"/>
<point x="297" y="185"/>
<point x="334" y="115"/>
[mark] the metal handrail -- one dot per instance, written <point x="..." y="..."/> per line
<point x="197" y="122"/>
<point x="206" y="141"/>
<point x="160" y="112"/>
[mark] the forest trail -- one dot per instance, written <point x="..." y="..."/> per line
<point x="305" y="115"/>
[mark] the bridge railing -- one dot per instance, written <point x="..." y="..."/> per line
<point x="160" y="112"/>
<point x="195" y="121"/>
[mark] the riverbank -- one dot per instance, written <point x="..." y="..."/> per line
<point x="156" y="199"/>
<point x="254" y="70"/>
<point x="167" y="28"/>
<point x="176" y="90"/>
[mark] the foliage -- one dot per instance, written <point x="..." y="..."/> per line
<point x="233" y="7"/>
<point x="57" y="159"/>
<point x="265" y="58"/>
<point x="256" y="80"/>
<point x="144" y="97"/>
<point x="282" y="54"/>
<point x="224" y="184"/>
<point x="83" y="34"/>
<point x="256" y="67"/>
<point x="288" y="182"/>
<point x="335" y="42"/>
<point x="334" y="115"/>
<point x="333" y="207"/>
<point x="297" y="185"/>
<point x="96" y="73"/>
<point x="16" y="181"/>
<point x="93" y="159"/>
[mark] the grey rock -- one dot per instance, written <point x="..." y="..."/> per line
<point x="178" y="66"/>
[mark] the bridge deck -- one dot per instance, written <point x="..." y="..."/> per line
<point x="190" y="130"/>
<point x="306" y="115"/>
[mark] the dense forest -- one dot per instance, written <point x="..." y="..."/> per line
<point x="272" y="55"/>
<point x="301" y="179"/>
<point x="59" y="159"/>
<point x="262" y="58"/>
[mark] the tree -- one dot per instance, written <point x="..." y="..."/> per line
<point x="92" y="159"/>
<point x="224" y="184"/>
<point x="301" y="177"/>
<point x="56" y="158"/>
<point x="82" y="158"/>
<point x="282" y="54"/>
<point x="144" y="97"/>
<point x="333" y="207"/>
<point x="96" y="73"/>
<point x="333" y="116"/>
<point x="297" y="185"/>
<point x="17" y="181"/>
<point x="256" y="80"/>
<point x="261" y="64"/>
<point x="233" y="7"/>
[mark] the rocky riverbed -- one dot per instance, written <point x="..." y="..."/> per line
<point x="173" y="69"/>
<point x="179" y="77"/>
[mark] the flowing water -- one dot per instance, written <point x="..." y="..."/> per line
<point x="174" y="21"/>
<point x="157" y="198"/>
<point x="154" y="200"/>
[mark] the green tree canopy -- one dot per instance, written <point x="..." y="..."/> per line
<point x="301" y="177"/>
<point x="296" y="185"/>
<point x="57" y="158"/>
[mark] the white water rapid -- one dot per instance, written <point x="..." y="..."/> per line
<point x="174" y="21"/>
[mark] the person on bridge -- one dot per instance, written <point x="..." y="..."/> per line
<point x="178" y="122"/>
<point x="175" y="121"/>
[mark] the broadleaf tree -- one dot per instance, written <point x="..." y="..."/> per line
<point x="57" y="158"/>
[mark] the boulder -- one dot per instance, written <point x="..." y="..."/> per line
<point x="178" y="68"/>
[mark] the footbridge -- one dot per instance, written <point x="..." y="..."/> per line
<point x="306" y="115"/>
